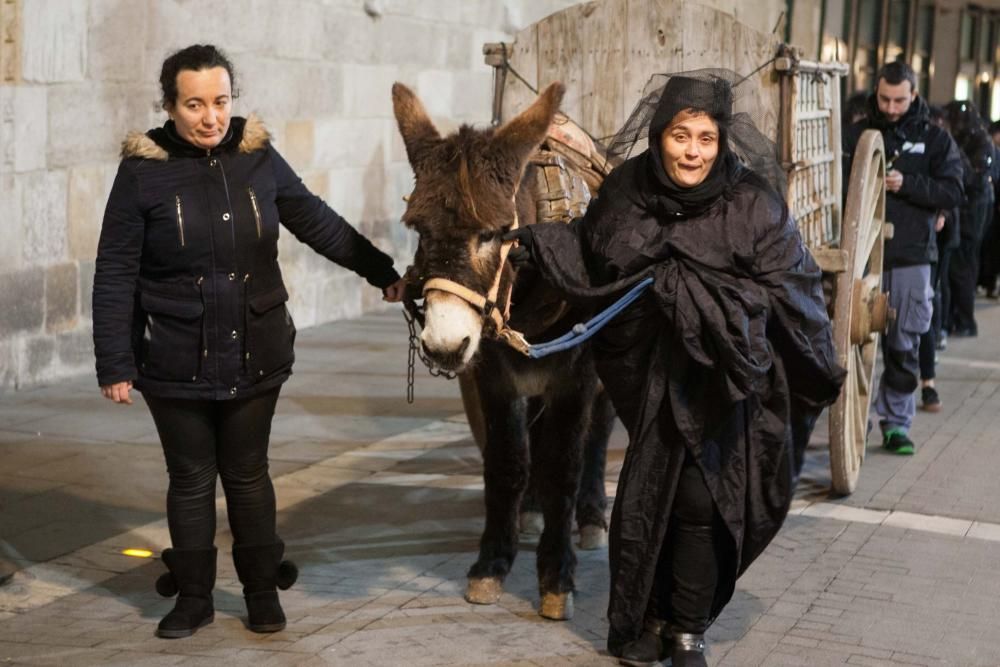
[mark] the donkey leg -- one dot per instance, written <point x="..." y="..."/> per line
<point x="532" y="521"/>
<point x="505" y="474"/>
<point x="592" y="500"/>
<point x="556" y="464"/>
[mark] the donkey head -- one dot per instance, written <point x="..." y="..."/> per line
<point x="461" y="204"/>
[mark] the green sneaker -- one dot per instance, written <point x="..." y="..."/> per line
<point x="896" y="441"/>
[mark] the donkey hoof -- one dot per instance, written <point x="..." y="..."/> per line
<point x="557" y="606"/>
<point x="486" y="590"/>
<point x="532" y="523"/>
<point x="593" y="537"/>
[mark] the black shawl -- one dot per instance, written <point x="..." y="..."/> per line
<point x="728" y="357"/>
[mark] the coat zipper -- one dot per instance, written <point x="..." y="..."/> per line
<point x="256" y="211"/>
<point x="180" y="219"/>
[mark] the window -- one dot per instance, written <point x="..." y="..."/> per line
<point x="978" y="60"/>
<point x="898" y="30"/>
<point x="923" y="39"/>
<point x="868" y="20"/>
<point x="962" y="87"/>
<point x="965" y="51"/>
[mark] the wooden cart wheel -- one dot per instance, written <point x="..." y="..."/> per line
<point x="860" y="310"/>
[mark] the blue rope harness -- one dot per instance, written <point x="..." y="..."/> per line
<point x="585" y="330"/>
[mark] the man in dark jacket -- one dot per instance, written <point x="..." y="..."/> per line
<point x="924" y="176"/>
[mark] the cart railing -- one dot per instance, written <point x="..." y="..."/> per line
<point x="810" y="145"/>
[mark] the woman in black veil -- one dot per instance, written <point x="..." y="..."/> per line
<point x="718" y="372"/>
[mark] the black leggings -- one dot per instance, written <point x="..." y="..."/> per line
<point x="693" y="553"/>
<point x="203" y="440"/>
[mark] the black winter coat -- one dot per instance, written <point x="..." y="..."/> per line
<point x="188" y="296"/>
<point x="977" y="150"/>
<point x="931" y="166"/>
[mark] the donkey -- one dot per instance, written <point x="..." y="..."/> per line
<point x="467" y="194"/>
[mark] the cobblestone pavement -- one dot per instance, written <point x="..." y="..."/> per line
<point x="380" y="503"/>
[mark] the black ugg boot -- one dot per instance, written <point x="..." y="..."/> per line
<point x="688" y="651"/>
<point x="191" y="577"/>
<point x="652" y="646"/>
<point x="262" y="572"/>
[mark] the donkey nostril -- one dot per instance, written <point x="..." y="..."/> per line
<point x="464" y="346"/>
<point x="427" y="350"/>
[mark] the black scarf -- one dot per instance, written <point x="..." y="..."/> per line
<point x="168" y="139"/>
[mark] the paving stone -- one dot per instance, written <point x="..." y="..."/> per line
<point x="383" y="540"/>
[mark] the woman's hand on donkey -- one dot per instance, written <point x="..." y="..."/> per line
<point x="521" y="254"/>
<point x="394" y="292"/>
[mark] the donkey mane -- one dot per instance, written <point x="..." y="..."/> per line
<point x="468" y="175"/>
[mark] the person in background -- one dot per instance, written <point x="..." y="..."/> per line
<point x="189" y="309"/>
<point x="923" y="178"/>
<point x="989" y="253"/>
<point x="975" y="215"/>
<point x="935" y="338"/>
<point x="995" y="132"/>
<point x="855" y="109"/>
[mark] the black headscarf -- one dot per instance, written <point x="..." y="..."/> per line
<point x="713" y="97"/>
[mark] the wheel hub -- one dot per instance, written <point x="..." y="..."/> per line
<point x="870" y="311"/>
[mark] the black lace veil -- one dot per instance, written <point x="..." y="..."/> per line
<point x="727" y="96"/>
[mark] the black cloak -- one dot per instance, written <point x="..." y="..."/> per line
<point x="728" y="357"/>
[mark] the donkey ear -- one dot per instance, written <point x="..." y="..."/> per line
<point x="419" y="133"/>
<point x="519" y="137"/>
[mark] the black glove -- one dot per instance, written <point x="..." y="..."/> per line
<point x="521" y="254"/>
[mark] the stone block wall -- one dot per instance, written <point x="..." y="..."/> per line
<point x="76" y="75"/>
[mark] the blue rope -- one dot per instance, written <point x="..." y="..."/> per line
<point x="584" y="330"/>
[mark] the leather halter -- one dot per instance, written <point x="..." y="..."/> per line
<point x="487" y="305"/>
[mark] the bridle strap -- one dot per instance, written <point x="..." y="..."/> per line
<point x="486" y="305"/>
<point x="495" y="289"/>
<point x="475" y="299"/>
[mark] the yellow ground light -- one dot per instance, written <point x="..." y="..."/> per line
<point x="138" y="553"/>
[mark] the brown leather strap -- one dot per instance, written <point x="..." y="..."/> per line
<point x="487" y="305"/>
<point x="476" y="300"/>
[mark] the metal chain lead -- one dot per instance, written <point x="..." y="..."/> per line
<point x="415" y="351"/>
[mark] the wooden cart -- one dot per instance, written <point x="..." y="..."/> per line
<point x="604" y="53"/>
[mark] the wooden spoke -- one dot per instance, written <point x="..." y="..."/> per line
<point x="870" y="238"/>
<point x="864" y="381"/>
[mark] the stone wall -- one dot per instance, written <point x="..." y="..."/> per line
<point x="75" y="75"/>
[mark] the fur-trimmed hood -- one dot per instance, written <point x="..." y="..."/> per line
<point x="246" y="135"/>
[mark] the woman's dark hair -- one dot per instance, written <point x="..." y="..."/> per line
<point x="195" y="57"/>
<point x="970" y="134"/>
<point x="856" y="107"/>
<point x="963" y="119"/>
<point x="938" y="116"/>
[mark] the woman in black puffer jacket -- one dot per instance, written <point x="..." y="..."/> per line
<point x="975" y="215"/>
<point x="189" y="308"/>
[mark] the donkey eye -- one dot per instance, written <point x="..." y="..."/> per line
<point x="486" y="237"/>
